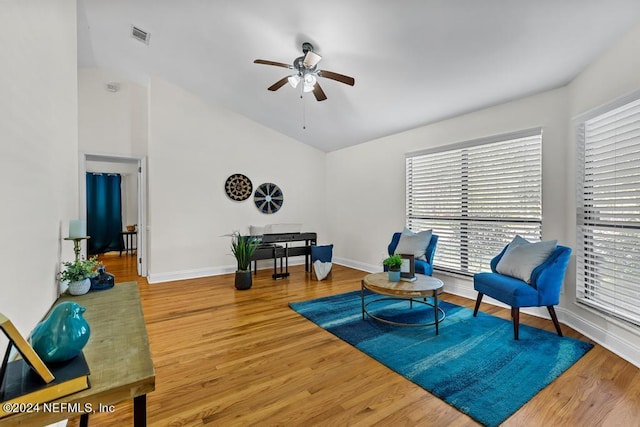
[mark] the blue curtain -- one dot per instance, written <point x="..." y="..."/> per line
<point x="104" y="213"/>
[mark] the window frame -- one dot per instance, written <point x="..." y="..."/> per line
<point x="592" y="225"/>
<point x="470" y="259"/>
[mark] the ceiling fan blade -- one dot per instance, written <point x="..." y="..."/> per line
<point x="277" y="85"/>
<point x="318" y="92"/>
<point x="311" y="59"/>
<point x="337" y="77"/>
<point x="277" y="64"/>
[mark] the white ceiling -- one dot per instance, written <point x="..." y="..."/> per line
<point x="414" y="61"/>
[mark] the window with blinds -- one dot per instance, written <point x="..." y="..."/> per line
<point x="476" y="196"/>
<point x="608" y="212"/>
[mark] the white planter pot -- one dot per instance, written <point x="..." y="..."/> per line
<point x="80" y="287"/>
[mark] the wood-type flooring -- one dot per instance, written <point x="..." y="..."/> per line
<point x="235" y="358"/>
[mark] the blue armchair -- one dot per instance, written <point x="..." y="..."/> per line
<point x="421" y="266"/>
<point x="544" y="289"/>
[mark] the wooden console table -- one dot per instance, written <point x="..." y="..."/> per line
<point x="118" y="356"/>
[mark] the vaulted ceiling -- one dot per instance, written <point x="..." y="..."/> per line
<point x="414" y="61"/>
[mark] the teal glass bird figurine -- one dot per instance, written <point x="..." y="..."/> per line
<point x="62" y="335"/>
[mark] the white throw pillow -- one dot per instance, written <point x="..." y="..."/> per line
<point x="415" y="244"/>
<point x="256" y="230"/>
<point x="321" y="269"/>
<point x="522" y="257"/>
<point x="408" y="232"/>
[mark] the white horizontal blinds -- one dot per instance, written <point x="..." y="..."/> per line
<point x="608" y="212"/>
<point x="476" y="198"/>
<point x="434" y="198"/>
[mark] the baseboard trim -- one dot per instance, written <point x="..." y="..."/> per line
<point x="173" y="276"/>
<point x="368" y="268"/>
<point x="614" y="343"/>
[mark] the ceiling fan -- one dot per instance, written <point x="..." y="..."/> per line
<point x="306" y="71"/>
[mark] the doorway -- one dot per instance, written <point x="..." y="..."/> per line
<point x="134" y="212"/>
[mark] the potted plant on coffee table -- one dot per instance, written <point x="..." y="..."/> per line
<point x="79" y="273"/>
<point x="393" y="263"/>
<point x="243" y="248"/>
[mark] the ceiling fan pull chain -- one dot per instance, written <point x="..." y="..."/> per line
<point x="304" y="110"/>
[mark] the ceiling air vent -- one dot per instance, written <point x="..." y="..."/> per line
<point x="113" y="86"/>
<point x="140" y="35"/>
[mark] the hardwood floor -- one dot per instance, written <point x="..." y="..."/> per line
<point x="232" y="358"/>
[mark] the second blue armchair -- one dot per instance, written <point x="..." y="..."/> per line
<point x="542" y="291"/>
<point x="422" y="266"/>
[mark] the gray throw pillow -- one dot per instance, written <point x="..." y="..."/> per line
<point x="522" y="257"/>
<point x="415" y="244"/>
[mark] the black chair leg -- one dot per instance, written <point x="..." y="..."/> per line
<point x="478" y="301"/>
<point x="515" y="312"/>
<point x="554" y="318"/>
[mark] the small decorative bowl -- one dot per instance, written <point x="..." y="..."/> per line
<point x="131" y="228"/>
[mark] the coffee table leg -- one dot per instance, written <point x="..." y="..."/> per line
<point x="435" y="309"/>
<point x="362" y="297"/>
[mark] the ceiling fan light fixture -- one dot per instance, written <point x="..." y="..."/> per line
<point x="309" y="82"/>
<point x="305" y="70"/>
<point x="311" y="59"/>
<point x="294" y="80"/>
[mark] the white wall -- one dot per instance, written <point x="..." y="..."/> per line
<point x="614" y="74"/>
<point x="193" y="148"/>
<point x="111" y="122"/>
<point x="39" y="161"/>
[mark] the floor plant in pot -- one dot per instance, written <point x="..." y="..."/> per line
<point x="243" y="248"/>
<point x="79" y="273"/>
<point x="393" y="263"/>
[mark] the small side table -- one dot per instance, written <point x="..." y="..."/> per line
<point x="129" y="238"/>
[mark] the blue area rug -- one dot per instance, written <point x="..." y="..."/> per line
<point x="474" y="364"/>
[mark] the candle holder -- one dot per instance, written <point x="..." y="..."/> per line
<point x="76" y="244"/>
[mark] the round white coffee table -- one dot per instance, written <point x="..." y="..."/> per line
<point x="416" y="291"/>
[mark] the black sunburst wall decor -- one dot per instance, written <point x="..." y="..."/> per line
<point x="238" y="187"/>
<point x="268" y="198"/>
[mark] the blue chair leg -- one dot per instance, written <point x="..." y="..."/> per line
<point x="554" y="318"/>
<point x="515" y="313"/>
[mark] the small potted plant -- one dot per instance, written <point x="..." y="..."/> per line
<point x="79" y="273"/>
<point x="393" y="263"/>
<point x="243" y="248"/>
